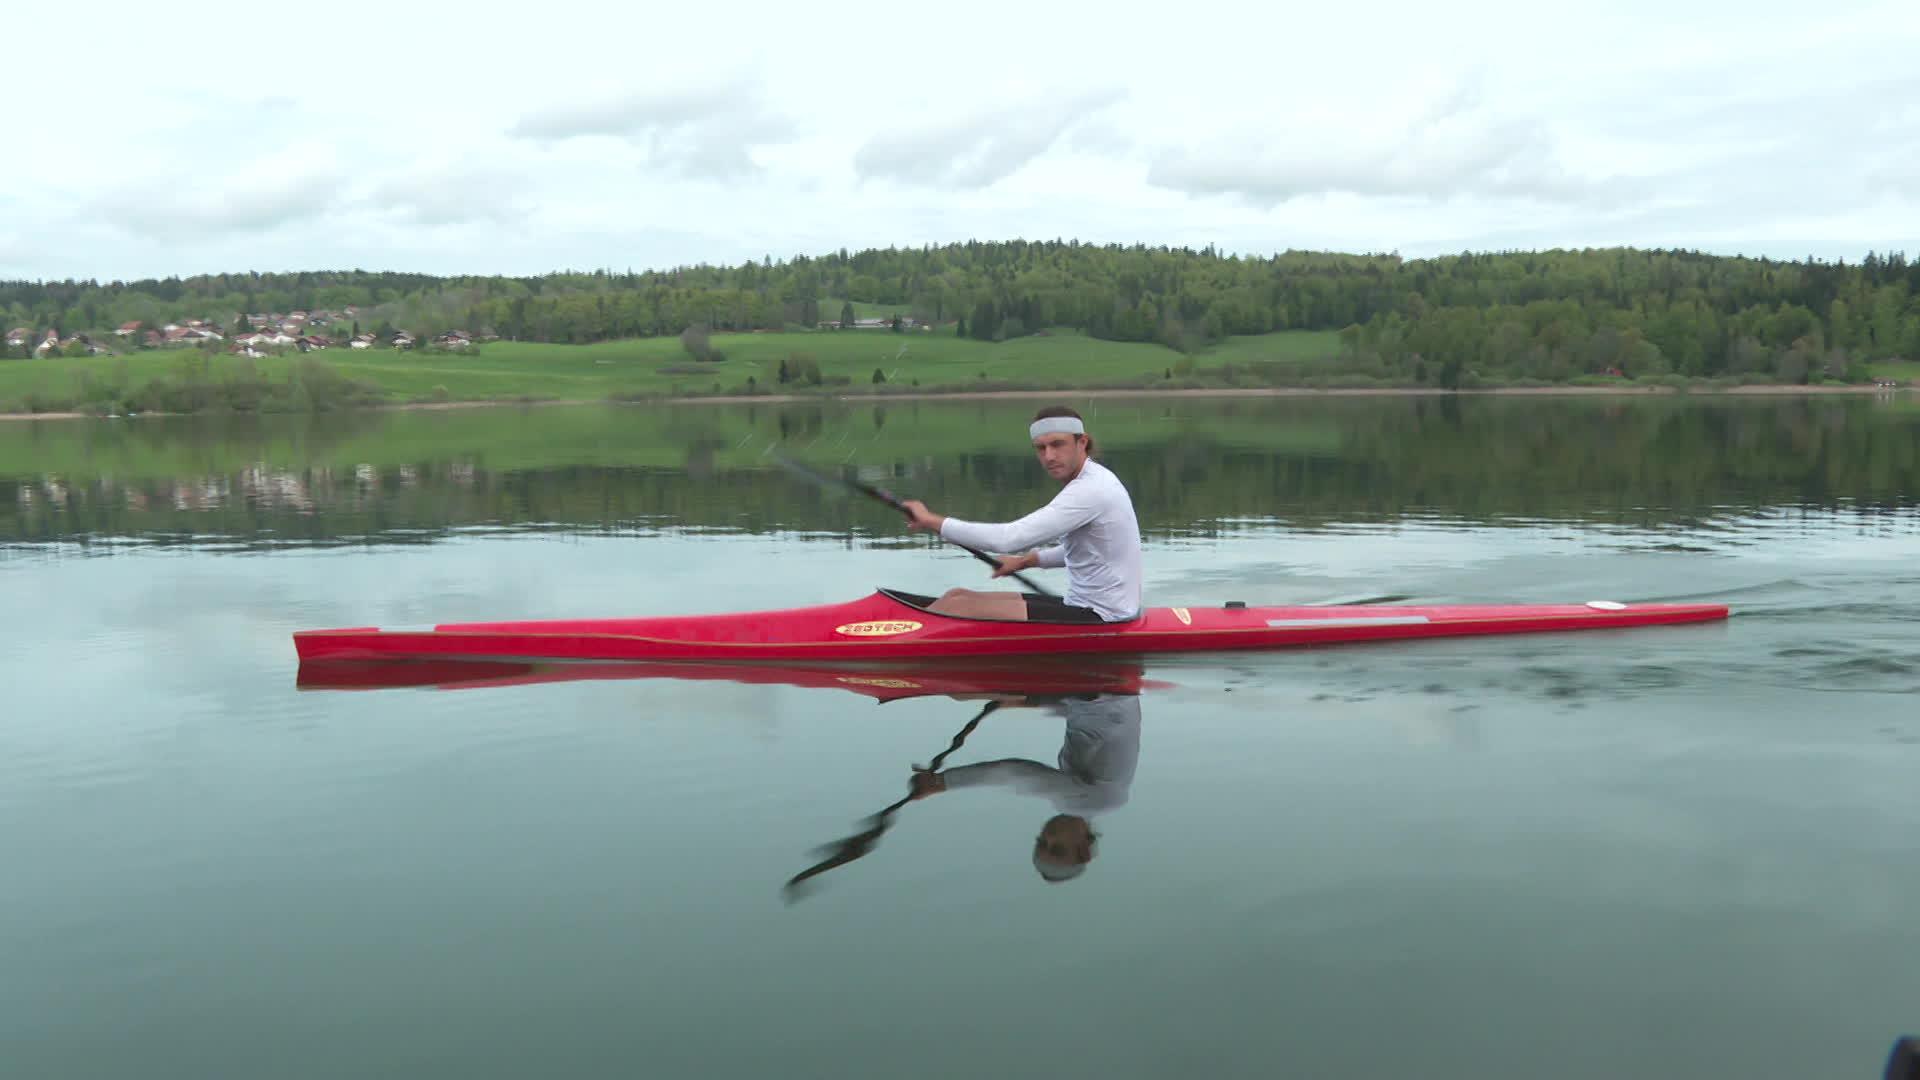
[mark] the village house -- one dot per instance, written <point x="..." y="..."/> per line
<point x="312" y="343"/>
<point x="18" y="336"/>
<point x="128" y="329"/>
<point x="48" y="345"/>
<point x="454" y="339"/>
<point x="187" y="335"/>
<point x="362" y="341"/>
<point x="402" y="340"/>
<point x="871" y="324"/>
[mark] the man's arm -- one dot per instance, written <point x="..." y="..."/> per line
<point x="1020" y="774"/>
<point x="1068" y="511"/>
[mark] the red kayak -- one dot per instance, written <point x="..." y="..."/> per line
<point x="893" y="625"/>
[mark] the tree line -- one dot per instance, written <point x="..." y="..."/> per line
<point x="1549" y="315"/>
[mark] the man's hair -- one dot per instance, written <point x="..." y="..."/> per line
<point x="1062" y="410"/>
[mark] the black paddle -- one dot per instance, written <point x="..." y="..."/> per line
<point x="860" y="843"/>
<point x="888" y="497"/>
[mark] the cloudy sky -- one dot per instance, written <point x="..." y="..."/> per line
<point x="520" y="138"/>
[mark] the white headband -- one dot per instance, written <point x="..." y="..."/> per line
<point x="1057" y="425"/>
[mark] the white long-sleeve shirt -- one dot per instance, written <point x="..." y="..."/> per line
<point x="1090" y="529"/>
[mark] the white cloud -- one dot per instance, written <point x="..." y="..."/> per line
<point x="258" y="195"/>
<point x="705" y="130"/>
<point x="1461" y="147"/>
<point x="455" y="189"/>
<point x="981" y="148"/>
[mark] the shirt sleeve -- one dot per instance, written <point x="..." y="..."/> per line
<point x="1068" y="511"/>
<point x="1027" y="777"/>
<point x="1051" y="558"/>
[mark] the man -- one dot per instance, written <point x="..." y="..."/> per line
<point x="1094" y="775"/>
<point x="1089" y="528"/>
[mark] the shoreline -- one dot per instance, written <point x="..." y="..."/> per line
<point x="1756" y="389"/>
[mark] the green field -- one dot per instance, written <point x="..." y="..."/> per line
<point x="505" y="370"/>
<point x="1903" y="371"/>
<point x="830" y="310"/>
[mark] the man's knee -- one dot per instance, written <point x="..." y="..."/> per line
<point x="973" y="603"/>
<point x="952" y="599"/>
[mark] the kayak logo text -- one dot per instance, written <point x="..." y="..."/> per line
<point x="883" y="628"/>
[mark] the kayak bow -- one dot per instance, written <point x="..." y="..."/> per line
<point x="893" y="625"/>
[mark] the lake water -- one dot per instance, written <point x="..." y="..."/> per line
<point x="1678" y="852"/>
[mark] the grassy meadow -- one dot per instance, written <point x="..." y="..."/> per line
<point x="660" y="367"/>
<point x="1902" y="371"/>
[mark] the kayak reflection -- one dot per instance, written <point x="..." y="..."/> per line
<point x="1098" y="702"/>
<point x="1091" y="775"/>
<point x="977" y="679"/>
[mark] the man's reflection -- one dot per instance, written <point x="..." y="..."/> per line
<point x="1092" y="774"/>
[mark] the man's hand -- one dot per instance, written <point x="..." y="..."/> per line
<point x="926" y="783"/>
<point x="1013" y="564"/>
<point x="921" y="518"/>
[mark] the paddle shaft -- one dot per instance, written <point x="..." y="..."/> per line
<point x="890" y="499"/>
<point x="883" y="495"/>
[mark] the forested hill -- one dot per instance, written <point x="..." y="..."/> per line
<point x="1539" y="314"/>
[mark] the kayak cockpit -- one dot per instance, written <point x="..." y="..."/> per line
<point x="922" y="604"/>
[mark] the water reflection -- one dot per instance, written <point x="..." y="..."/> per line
<point x="1092" y="774"/>
<point x="1199" y="468"/>
<point x="1097" y="703"/>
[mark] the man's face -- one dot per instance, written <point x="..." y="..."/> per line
<point x="1060" y="454"/>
